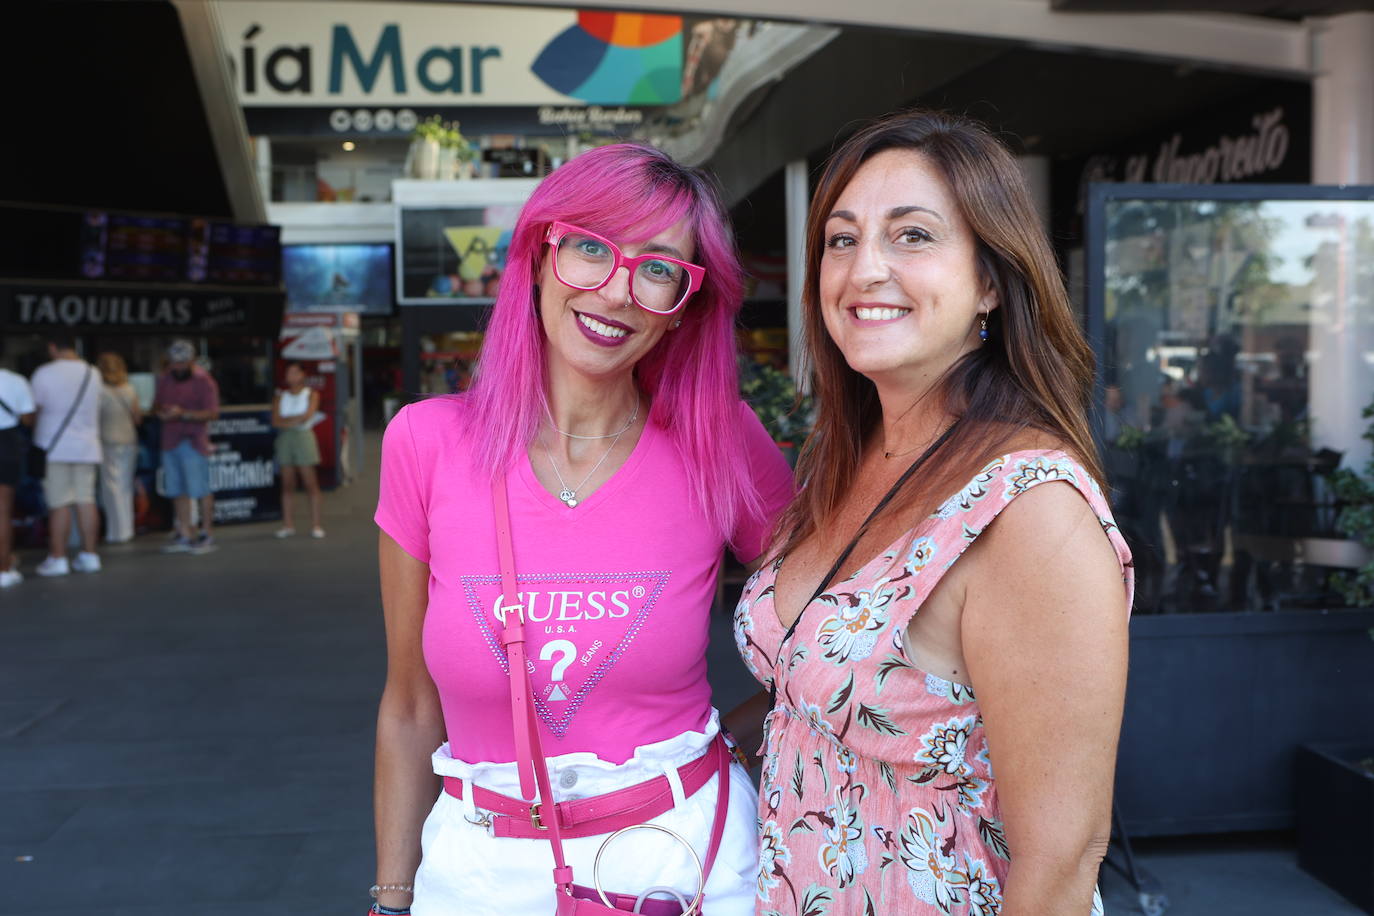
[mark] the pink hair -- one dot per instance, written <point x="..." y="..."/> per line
<point x="628" y="193"/>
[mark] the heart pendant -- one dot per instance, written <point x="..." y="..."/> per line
<point x="572" y="503"/>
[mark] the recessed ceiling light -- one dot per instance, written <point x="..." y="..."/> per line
<point x="349" y="146"/>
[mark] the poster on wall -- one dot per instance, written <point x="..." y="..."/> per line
<point x="454" y="254"/>
<point x="453" y="250"/>
<point x="243" y="474"/>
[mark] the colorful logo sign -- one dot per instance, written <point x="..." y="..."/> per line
<point x="616" y="59"/>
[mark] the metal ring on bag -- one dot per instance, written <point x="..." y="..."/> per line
<point x="701" y="874"/>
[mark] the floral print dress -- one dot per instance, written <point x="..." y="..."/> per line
<point x="877" y="794"/>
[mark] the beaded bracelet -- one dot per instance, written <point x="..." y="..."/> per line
<point x="377" y="889"/>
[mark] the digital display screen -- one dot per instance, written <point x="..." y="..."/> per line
<point x="333" y="278"/>
<point x="174" y="249"/>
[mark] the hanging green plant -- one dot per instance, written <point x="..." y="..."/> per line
<point x="773" y="396"/>
<point x="1355" y="494"/>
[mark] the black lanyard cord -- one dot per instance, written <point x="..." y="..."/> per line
<point x="863" y="529"/>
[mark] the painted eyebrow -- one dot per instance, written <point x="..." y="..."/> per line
<point x="894" y="213"/>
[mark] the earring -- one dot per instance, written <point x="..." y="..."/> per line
<point x="678" y="323"/>
<point x="983" y="328"/>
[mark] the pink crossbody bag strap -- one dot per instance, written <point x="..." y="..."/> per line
<point x="530" y="760"/>
<point x="528" y="748"/>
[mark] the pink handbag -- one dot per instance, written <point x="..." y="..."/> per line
<point x="573" y="899"/>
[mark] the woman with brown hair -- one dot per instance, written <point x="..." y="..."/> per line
<point x="962" y="619"/>
<point x="119" y="418"/>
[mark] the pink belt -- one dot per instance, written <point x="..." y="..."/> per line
<point x="600" y="814"/>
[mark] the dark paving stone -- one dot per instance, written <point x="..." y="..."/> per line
<point x="18" y="716"/>
<point x="132" y="867"/>
<point x="243" y="806"/>
<point x="95" y="765"/>
<point x="331" y="874"/>
<point x="31" y="817"/>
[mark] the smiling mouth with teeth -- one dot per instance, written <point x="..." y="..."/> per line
<point x="604" y="330"/>
<point x="864" y="313"/>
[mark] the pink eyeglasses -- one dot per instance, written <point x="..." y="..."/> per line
<point x="587" y="261"/>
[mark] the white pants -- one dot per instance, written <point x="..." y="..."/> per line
<point x="117" y="490"/>
<point x="467" y="872"/>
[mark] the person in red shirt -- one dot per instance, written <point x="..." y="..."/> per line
<point x="186" y="400"/>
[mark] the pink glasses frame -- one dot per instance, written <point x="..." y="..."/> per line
<point x="695" y="272"/>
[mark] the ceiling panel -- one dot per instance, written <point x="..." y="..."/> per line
<point x="1274" y="9"/>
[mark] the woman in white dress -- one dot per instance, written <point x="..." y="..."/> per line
<point x="120" y="416"/>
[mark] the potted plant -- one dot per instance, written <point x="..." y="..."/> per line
<point x="773" y="396"/>
<point x="422" y="161"/>
<point x="1335" y="783"/>
<point x="460" y="152"/>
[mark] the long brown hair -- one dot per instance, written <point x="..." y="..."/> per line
<point x="1035" y="372"/>
<point x="112" y="368"/>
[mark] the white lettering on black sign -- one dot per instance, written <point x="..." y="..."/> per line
<point x="591" y="116"/>
<point x="70" y="310"/>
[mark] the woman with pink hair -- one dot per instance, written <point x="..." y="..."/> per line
<point x="604" y="417"/>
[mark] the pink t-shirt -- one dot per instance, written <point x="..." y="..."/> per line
<point x="619" y="588"/>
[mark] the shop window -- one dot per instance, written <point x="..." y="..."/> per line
<point x="447" y="361"/>
<point x="1235" y="332"/>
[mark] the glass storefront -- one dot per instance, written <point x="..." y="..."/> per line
<point x="1236" y="328"/>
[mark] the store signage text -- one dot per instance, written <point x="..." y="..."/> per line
<point x="90" y="309"/>
<point x="126" y="310"/>
<point x="1263" y="150"/>
<point x="242" y="472"/>
<point x="591" y="116"/>
<point x="439" y="69"/>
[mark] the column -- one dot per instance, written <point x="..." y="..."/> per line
<point x="797" y="197"/>
<point x="262" y="156"/>
<point x="1036" y="171"/>
<point x="1340" y="381"/>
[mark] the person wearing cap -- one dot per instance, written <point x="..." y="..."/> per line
<point x="186" y="400"/>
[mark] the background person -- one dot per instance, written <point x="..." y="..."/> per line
<point x="186" y="400"/>
<point x="66" y="391"/>
<point x="296" y="448"/>
<point x="949" y="696"/>
<point x="16" y="409"/>
<point x="120" y="416"/>
<point x="608" y="398"/>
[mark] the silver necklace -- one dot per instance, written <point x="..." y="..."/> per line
<point x="631" y="422"/>
<point x="569" y="494"/>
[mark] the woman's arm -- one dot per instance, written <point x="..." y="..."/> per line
<point x="135" y="410"/>
<point x="311" y="410"/>
<point x="278" y="421"/>
<point x="1044" y="633"/>
<point x="410" y="724"/>
<point x="745" y="722"/>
